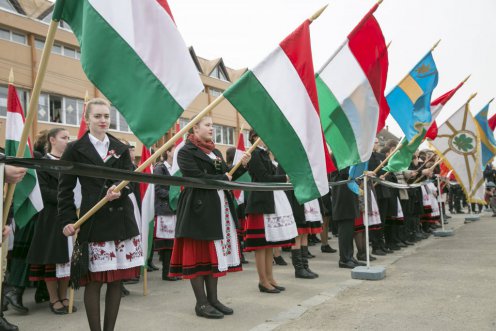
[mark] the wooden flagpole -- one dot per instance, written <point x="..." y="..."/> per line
<point x="167" y="145"/>
<point x="32" y="110"/>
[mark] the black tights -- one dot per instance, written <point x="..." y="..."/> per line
<point x="92" y="305"/>
<point x="199" y="284"/>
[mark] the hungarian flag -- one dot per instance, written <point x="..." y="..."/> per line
<point x="147" y="192"/>
<point x="278" y="98"/>
<point x="240" y="149"/>
<point x="436" y="107"/>
<point x="27" y="195"/>
<point x="351" y="93"/>
<point x="133" y="52"/>
<point x="458" y="144"/>
<point x="175" y="191"/>
<point x="82" y="126"/>
<point x="401" y="160"/>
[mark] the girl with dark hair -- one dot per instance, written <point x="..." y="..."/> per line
<point x="269" y="221"/>
<point x="48" y="255"/>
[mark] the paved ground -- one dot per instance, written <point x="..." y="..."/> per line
<point x="441" y="283"/>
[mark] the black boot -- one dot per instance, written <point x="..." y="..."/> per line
<point x="304" y="260"/>
<point x="166" y="257"/>
<point x="41" y="294"/>
<point x="306" y="253"/>
<point x="14" y="298"/>
<point x="300" y="271"/>
<point x="279" y="260"/>
<point x="5" y="325"/>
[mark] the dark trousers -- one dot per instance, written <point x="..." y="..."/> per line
<point x="346" y="229"/>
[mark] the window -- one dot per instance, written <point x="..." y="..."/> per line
<point x="70" y="52"/>
<point x="219" y="73"/>
<point x="19" y="38"/>
<point x="21" y="93"/>
<point x="71" y="113"/>
<point x="13" y="36"/>
<point x="78" y="55"/>
<point x="43" y="107"/>
<point x="123" y="126"/>
<point x="6" y="5"/>
<point x="4" y="34"/>
<point x="214" y="92"/>
<point x="246" y="135"/>
<point x="3" y="101"/>
<point x="55" y="109"/>
<point x="223" y="135"/>
<point x="113" y="118"/>
<point x="38" y="43"/>
<point x="57" y="49"/>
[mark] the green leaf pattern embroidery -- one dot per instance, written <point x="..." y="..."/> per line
<point x="464" y="143"/>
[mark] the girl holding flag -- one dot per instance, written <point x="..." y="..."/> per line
<point x="206" y="245"/>
<point x="111" y="235"/>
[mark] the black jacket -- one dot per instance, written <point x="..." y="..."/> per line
<point x="344" y="202"/>
<point x="382" y="192"/>
<point x="49" y="245"/>
<point x="199" y="210"/>
<point x="262" y="170"/>
<point x="162" y="205"/>
<point x="115" y="220"/>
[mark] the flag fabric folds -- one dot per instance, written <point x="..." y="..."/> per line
<point x="147" y="196"/>
<point x="410" y="100"/>
<point x="27" y="200"/>
<point x="239" y="195"/>
<point x="488" y="143"/>
<point x="402" y="158"/>
<point x="351" y="87"/>
<point x="436" y="107"/>
<point x="278" y="98"/>
<point x="458" y="144"/>
<point x="133" y="52"/>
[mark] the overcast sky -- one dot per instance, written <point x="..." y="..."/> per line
<point x="243" y="32"/>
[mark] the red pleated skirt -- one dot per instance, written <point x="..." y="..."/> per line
<point x="255" y="235"/>
<point x="110" y="276"/>
<point x="309" y="228"/>
<point x="192" y="258"/>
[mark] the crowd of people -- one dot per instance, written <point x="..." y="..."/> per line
<point x="206" y="235"/>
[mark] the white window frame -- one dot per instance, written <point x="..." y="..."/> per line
<point x="11" y="39"/>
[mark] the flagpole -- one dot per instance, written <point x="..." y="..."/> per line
<point x="430" y="169"/>
<point x="167" y="145"/>
<point x="366" y="219"/>
<point x="440" y="202"/>
<point x="383" y="163"/>
<point x="32" y="112"/>
<point x="145" y="280"/>
<point x="366" y="16"/>
<point x="153" y="157"/>
<point x="252" y="148"/>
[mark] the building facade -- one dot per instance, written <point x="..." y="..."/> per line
<point x="23" y="27"/>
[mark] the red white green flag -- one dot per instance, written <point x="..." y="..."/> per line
<point x="278" y="98"/>
<point x="27" y="200"/>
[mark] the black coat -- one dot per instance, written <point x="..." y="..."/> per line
<point x="115" y="220"/>
<point x="199" y="210"/>
<point x="382" y="192"/>
<point x="162" y="205"/>
<point x="344" y="202"/>
<point x="262" y="170"/>
<point x="49" y="245"/>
